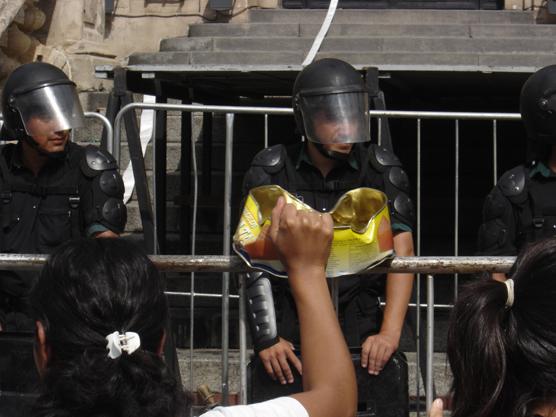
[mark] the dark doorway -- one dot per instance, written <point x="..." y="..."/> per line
<point x="397" y="4"/>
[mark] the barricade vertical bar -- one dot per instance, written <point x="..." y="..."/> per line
<point x="495" y="150"/>
<point x="430" y="340"/>
<point x="159" y="175"/>
<point x="193" y="246"/>
<point x="227" y="237"/>
<point x="108" y="130"/>
<point x="266" y="130"/>
<point x="456" y="214"/>
<point x="418" y="278"/>
<point x="379" y="133"/>
<point x="155" y="190"/>
<point x="242" y="342"/>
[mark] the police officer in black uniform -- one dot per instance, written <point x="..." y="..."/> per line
<point x="330" y="102"/>
<point x="521" y="208"/>
<point x="51" y="189"/>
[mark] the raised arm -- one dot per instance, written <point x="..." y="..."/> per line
<point x="303" y="240"/>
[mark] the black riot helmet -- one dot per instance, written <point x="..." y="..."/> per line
<point x="38" y="99"/>
<point x="538" y="106"/>
<point x="330" y="102"/>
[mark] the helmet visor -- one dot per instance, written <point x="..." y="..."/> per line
<point x="49" y="109"/>
<point x="336" y="118"/>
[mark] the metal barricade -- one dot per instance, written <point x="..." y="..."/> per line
<point x="423" y="265"/>
<point x="433" y="265"/>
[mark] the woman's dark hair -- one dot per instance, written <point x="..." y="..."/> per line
<point x="502" y="358"/>
<point x="88" y="289"/>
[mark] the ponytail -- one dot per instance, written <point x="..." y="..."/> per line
<point x="501" y="348"/>
<point x="477" y="349"/>
<point x="95" y="385"/>
<point x="103" y="309"/>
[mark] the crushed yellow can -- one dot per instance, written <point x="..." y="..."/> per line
<point x="362" y="231"/>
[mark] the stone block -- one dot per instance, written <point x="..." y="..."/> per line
<point x="184" y="43"/>
<point x="160" y="58"/>
<point x="66" y="24"/>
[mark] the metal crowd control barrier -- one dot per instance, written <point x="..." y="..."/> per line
<point x="473" y="266"/>
<point x="427" y="265"/>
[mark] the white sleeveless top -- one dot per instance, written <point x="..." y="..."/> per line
<point x="278" y="407"/>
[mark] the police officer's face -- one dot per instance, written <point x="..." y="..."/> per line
<point x="333" y="134"/>
<point x="47" y="138"/>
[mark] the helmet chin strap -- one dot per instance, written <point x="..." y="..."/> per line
<point x="336" y="156"/>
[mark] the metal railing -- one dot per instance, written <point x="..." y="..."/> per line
<point x="228" y="264"/>
<point x="427" y="265"/>
<point x="434" y="265"/>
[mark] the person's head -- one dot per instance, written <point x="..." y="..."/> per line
<point x="502" y="353"/>
<point x="330" y="102"/>
<point x="537" y="106"/>
<point x="88" y="290"/>
<point x="40" y="106"/>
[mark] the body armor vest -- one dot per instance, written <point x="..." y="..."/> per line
<point x="537" y="215"/>
<point x="60" y="202"/>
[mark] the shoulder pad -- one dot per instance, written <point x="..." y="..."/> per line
<point x="96" y="160"/>
<point x="381" y="158"/>
<point x="398" y="178"/>
<point x="271" y="159"/>
<point x="513" y="182"/>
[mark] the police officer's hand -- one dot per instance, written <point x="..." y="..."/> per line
<point x="376" y="351"/>
<point x="276" y="360"/>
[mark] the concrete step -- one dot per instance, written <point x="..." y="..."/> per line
<point x="207" y="366"/>
<point x="361" y="29"/>
<point x="295" y="30"/>
<point x="392" y="16"/>
<point x="362" y="44"/>
<point x="384" y="60"/>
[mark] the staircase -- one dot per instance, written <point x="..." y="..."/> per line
<point x="393" y="40"/>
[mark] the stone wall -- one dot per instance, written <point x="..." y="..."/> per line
<point x="76" y="35"/>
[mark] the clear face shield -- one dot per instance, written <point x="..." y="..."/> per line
<point x="49" y="109"/>
<point x="336" y="118"/>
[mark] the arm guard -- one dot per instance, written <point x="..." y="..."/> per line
<point x="103" y="203"/>
<point x="260" y="311"/>
<point x="396" y="185"/>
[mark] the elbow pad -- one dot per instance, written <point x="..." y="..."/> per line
<point x="396" y="185"/>
<point x="104" y="204"/>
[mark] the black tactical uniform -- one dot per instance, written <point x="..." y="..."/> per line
<point x="291" y="168"/>
<point x="522" y="206"/>
<point x="77" y="193"/>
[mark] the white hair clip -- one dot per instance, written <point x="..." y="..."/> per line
<point x="510" y="287"/>
<point x="118" y="342"/>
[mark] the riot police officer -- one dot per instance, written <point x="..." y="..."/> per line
<point x="51" y="189"/>
<point x="330" y="102"/>
<point x="521" y="208"/>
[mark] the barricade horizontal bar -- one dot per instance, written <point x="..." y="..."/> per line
<point x="219" y="263"/>
<point x="288" y="111"/>
<point x="200" y="294"/>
